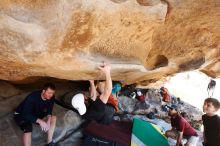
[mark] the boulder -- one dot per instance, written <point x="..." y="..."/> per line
<point x="144" y="40"/>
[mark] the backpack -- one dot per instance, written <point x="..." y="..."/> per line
<point x="151" y="115"/>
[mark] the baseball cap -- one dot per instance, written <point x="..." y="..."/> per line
<point x="173" y="107"/>
<point x="78" y="103"/>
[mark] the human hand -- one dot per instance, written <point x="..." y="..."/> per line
<point x="44" y="126"/>
<point x="91" y="81"/>
<point x="105" y="68"/>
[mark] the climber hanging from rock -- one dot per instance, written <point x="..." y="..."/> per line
<point x="103" y="105"/>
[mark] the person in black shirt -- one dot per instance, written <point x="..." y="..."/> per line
<point x="211" y="122"/>
<point x="102" y="105"/>
<point x="37" y="108"/>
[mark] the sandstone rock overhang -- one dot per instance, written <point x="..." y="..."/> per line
<point x="144" y="40"/>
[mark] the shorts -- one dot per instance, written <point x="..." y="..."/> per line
<point x="193" y="140"/>
<point x="25" y="126"/>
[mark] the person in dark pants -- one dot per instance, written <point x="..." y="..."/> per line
<point x="37" y="108"/>
<point x="211" y="122"/>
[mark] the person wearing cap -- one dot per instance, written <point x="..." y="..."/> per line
<point x="102" y="106"/>
<point x="37" y="109"/>
<point x="181" y="128"/>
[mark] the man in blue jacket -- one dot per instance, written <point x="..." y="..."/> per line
<point x="37" y="108"/>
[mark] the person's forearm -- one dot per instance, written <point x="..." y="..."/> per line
<point x="92" y="91"/>
<point x="108" y="83"/>
<point x="108" y="86"/>
<point x="179" y="138"/>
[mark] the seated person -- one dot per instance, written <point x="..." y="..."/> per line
<point x="37" y="108"/>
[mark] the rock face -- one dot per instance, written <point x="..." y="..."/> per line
<point x="7" y="90"/>
<point x="144" y="40"/>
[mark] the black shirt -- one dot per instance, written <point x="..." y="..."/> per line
<point x="34" y="107"/>
<point x="212" y="129"/>
<point x="100" y="112"/>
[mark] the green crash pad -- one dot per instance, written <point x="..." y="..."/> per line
<point x="146" y="134"/>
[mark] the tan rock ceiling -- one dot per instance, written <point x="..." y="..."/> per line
<point x="144" y="40"/>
